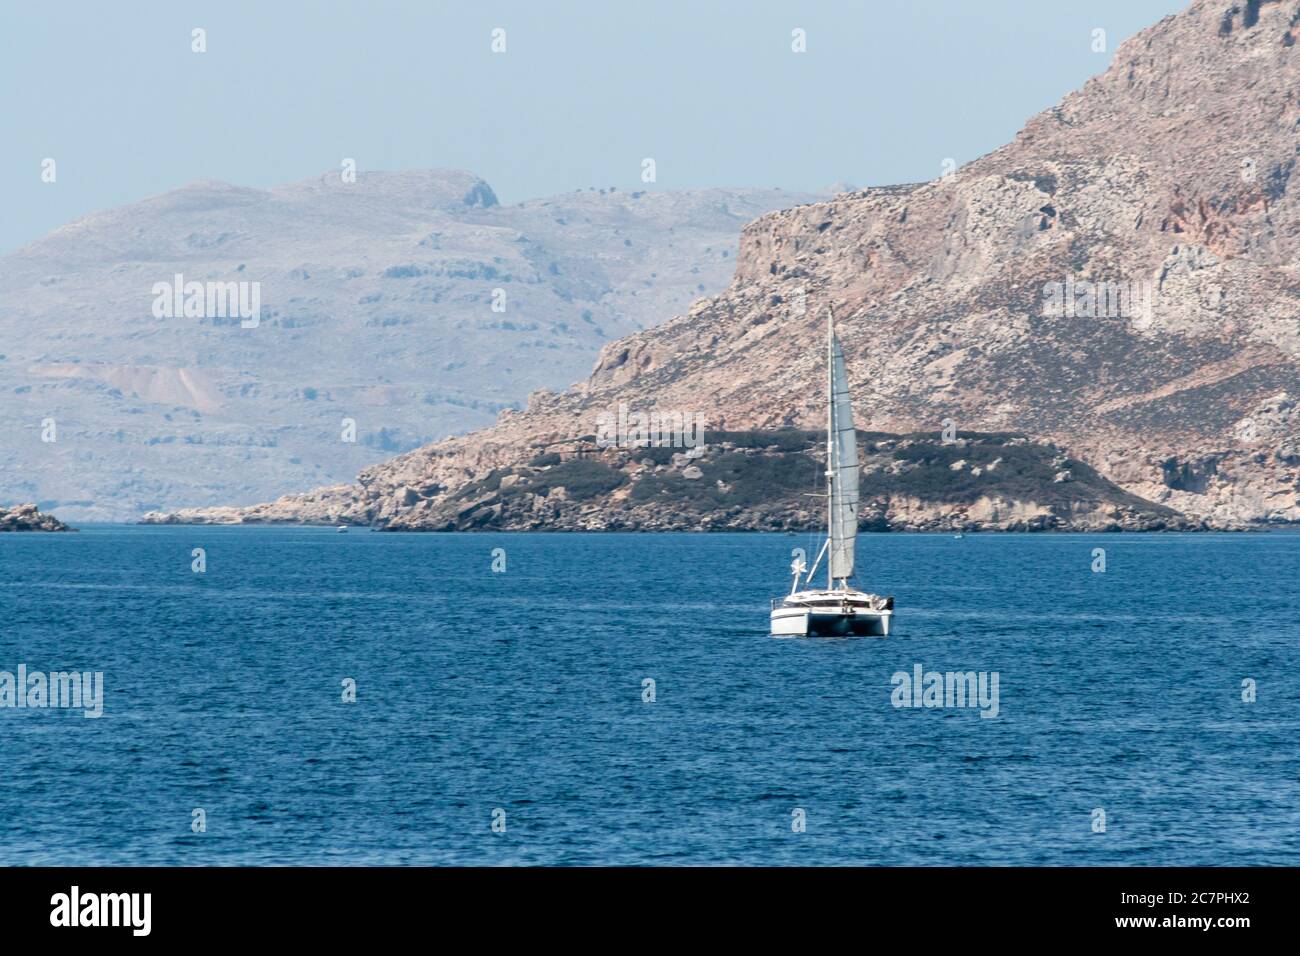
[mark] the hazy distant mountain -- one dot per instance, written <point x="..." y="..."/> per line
<point x="376" y="305"/>
<point x="1121" y="280"/>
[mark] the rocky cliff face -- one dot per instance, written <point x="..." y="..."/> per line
<point x="28" y="517"/>
<point x="1122" y="280"/>
<point x="413" y="304"/>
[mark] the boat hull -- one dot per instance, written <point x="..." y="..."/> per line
<point x="801" y="622"/>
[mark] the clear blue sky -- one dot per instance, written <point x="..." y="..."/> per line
<point x="710" y="90"/>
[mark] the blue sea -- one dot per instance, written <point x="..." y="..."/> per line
<point x="520" y="697"/>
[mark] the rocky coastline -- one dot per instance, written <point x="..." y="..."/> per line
<point x="27" y="517"/>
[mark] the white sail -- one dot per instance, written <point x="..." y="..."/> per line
<point x="842" y="467"/>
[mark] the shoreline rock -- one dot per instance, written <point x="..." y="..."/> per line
<point x="27" y="517"/>
<point x="745" y="481"/>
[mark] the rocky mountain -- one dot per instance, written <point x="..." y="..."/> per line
<point x="413" y="304"/>
<point x="28" y="517"/>
<point x="1121" y="281"/>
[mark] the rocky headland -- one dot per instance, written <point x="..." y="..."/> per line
<point x="27" y="517"/>
<point x="1120" y="284"/>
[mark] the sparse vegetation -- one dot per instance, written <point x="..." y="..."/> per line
<point x="767" y="479"/>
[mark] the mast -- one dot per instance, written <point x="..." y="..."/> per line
<point x="830" y="443"/>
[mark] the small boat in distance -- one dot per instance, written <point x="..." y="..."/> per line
<point x="838" y="609"/>
<point x="341" y="528"/>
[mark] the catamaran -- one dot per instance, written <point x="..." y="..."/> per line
<point x="838" y="609"/>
